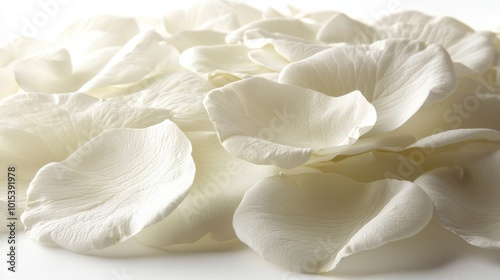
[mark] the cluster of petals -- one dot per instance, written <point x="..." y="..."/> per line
<point x="307" y="136"/>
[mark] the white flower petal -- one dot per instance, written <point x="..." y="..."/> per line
<point x="8" y="83"/>
<point x="221" y="16"/>
<point x="47" y="72"/>
<point x="270" y="123"/>
<point x="227" y="58"/>
<point x="466" y="197"/>
<point x="268" y="58"/>
<point x="375" y="70"/>
<point x="309" y="222"/>
<point x="474" y="104"/>
<point x="181" y="81"/>
<point x="132" y="178"/>
<point x="219" y="185"/>
<point x="146" y="55"/>
<point x="291" y="48"/>
<point x="418" y="18"/>
<point x="290" y="27"/>
<point x="98" y="32"/>
<point x="341" y="28"/>
<point x="472" y="49"/>
<point x="52" y="126"/>
<point x="187" y="39"/>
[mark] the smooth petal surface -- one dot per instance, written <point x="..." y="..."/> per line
<point x="309" y="222"/>
<point x="291" y="48"/>
<point x="8" y="83"/>
<point x="146" y="55"/>
<point x="132" y="178"/>
<point x="187" y="39"/>
<point x="53" y="126"/>
<point x="181" y="81"/>
<point x="466" y="195"/>
<point x="375" y="70"/>
<point x="473" y="49"/>
<point x="220" y="16"/>
<point x="226" y="58"/>
<point x="265" y="122"/>
<point x="290" y="27"/>
<point x="219" y="185"/>
<point x="474" y="104"/>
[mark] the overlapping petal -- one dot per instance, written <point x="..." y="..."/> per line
<point x="376" y="71"/>
<point x="52" y="126"/>
<point x="270" y="123"/>
<point x="309" y="222"/>
<point x="290" y="27"/>
<point x="465" y="192"/>
<point x="221" y="16"/>
<point x="145" y="55"/>
<point x="472" y="49"/>
<point x="131" y="178"/>
<point x="219" y="185"/>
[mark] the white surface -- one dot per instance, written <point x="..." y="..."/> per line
<point x="433" y="254"/>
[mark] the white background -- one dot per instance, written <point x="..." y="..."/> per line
<point x="433" y="254"/>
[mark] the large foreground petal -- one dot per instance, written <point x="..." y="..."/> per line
<point x="131" y="179"/>
<point x="309" y="222"/>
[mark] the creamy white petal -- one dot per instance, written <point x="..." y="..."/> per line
<point x="226" y="58"/>
<point x="186" y="110"/>
<point x="221" y="16"/>
<point x="181" y="81"/>
<point x="188" y="39"/>
<point x="375" y="70"/>
<point x="474" y="104"/>
<point x="418" y="18"/>
<point x="47" y="72"/>
<point x="309" y="222"/>
<point x="132" y="178"/>
<point x="8" y="83"/>
<point x="289" y="47"/>
<point x="472" y="49"/>
<point x="98" y="32"/>
<point x="268" y="58"/>
<point x="270" y="123"/>
<point x="146" y="55"/>
<point x="219" y="185"/>
<point x="466" y="195"/>
<point x="40" y="128"/>
<point x="341" y="28"/>
<point x="291" y="27"/>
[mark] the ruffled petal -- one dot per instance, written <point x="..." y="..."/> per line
<point x="341" y="28"/>
<point x="474" y="104"/>
<point x="375" y="70"/>
<point x="309" y="222"/>
<point x="187" y="39"/>
<point x="270" y="123"/>
<point x="146" y="55"/>
<point x="211" y="60"/>
<point x="132" y="178"/>
<point x="219" y="185"/>
<point x="220" y="16"/>
<point x="466" y="195"/>
<point x="290" y="27"/>
<point x="53" y="126"/>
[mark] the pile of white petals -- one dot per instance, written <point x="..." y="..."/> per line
<point x="307" y="136"/>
